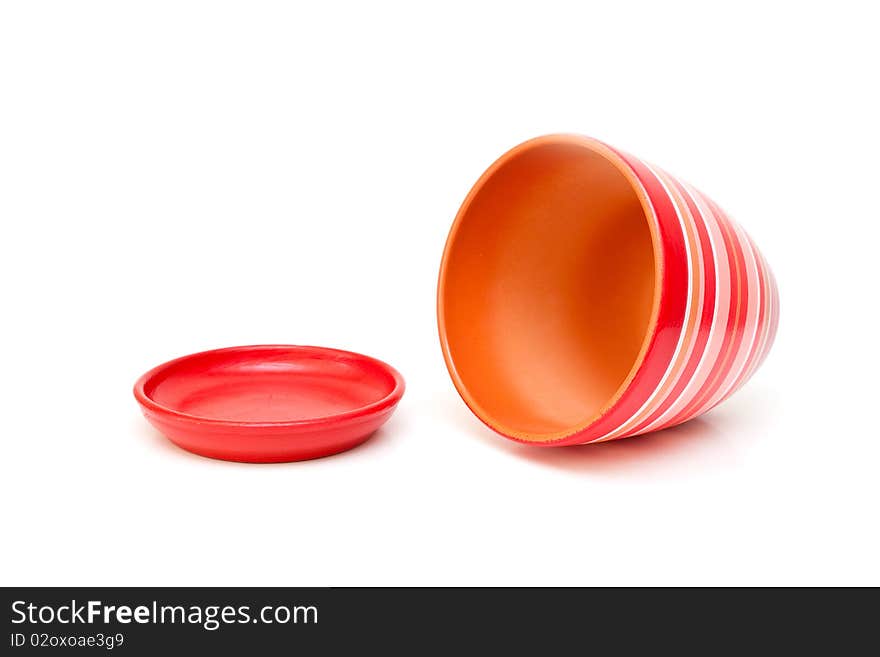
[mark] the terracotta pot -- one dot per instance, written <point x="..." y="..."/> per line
<point x="586" y="295"/>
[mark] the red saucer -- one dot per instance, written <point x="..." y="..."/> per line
<point x="269" y="403"/>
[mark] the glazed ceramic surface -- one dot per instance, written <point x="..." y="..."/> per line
<point x="586" y="295"/>
<point x="269" y="403"/>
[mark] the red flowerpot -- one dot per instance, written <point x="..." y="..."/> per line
<point x="586" y="295"/>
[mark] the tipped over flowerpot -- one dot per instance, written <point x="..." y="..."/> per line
<point x="586" y="295"/>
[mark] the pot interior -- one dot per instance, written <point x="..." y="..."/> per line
<point x="547" y="288"/>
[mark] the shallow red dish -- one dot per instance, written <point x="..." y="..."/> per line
<point x="269" y="403"/>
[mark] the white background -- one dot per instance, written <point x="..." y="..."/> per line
<point x="179" y="176"/>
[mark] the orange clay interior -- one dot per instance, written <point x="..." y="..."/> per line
<point x="547" y="290"/>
